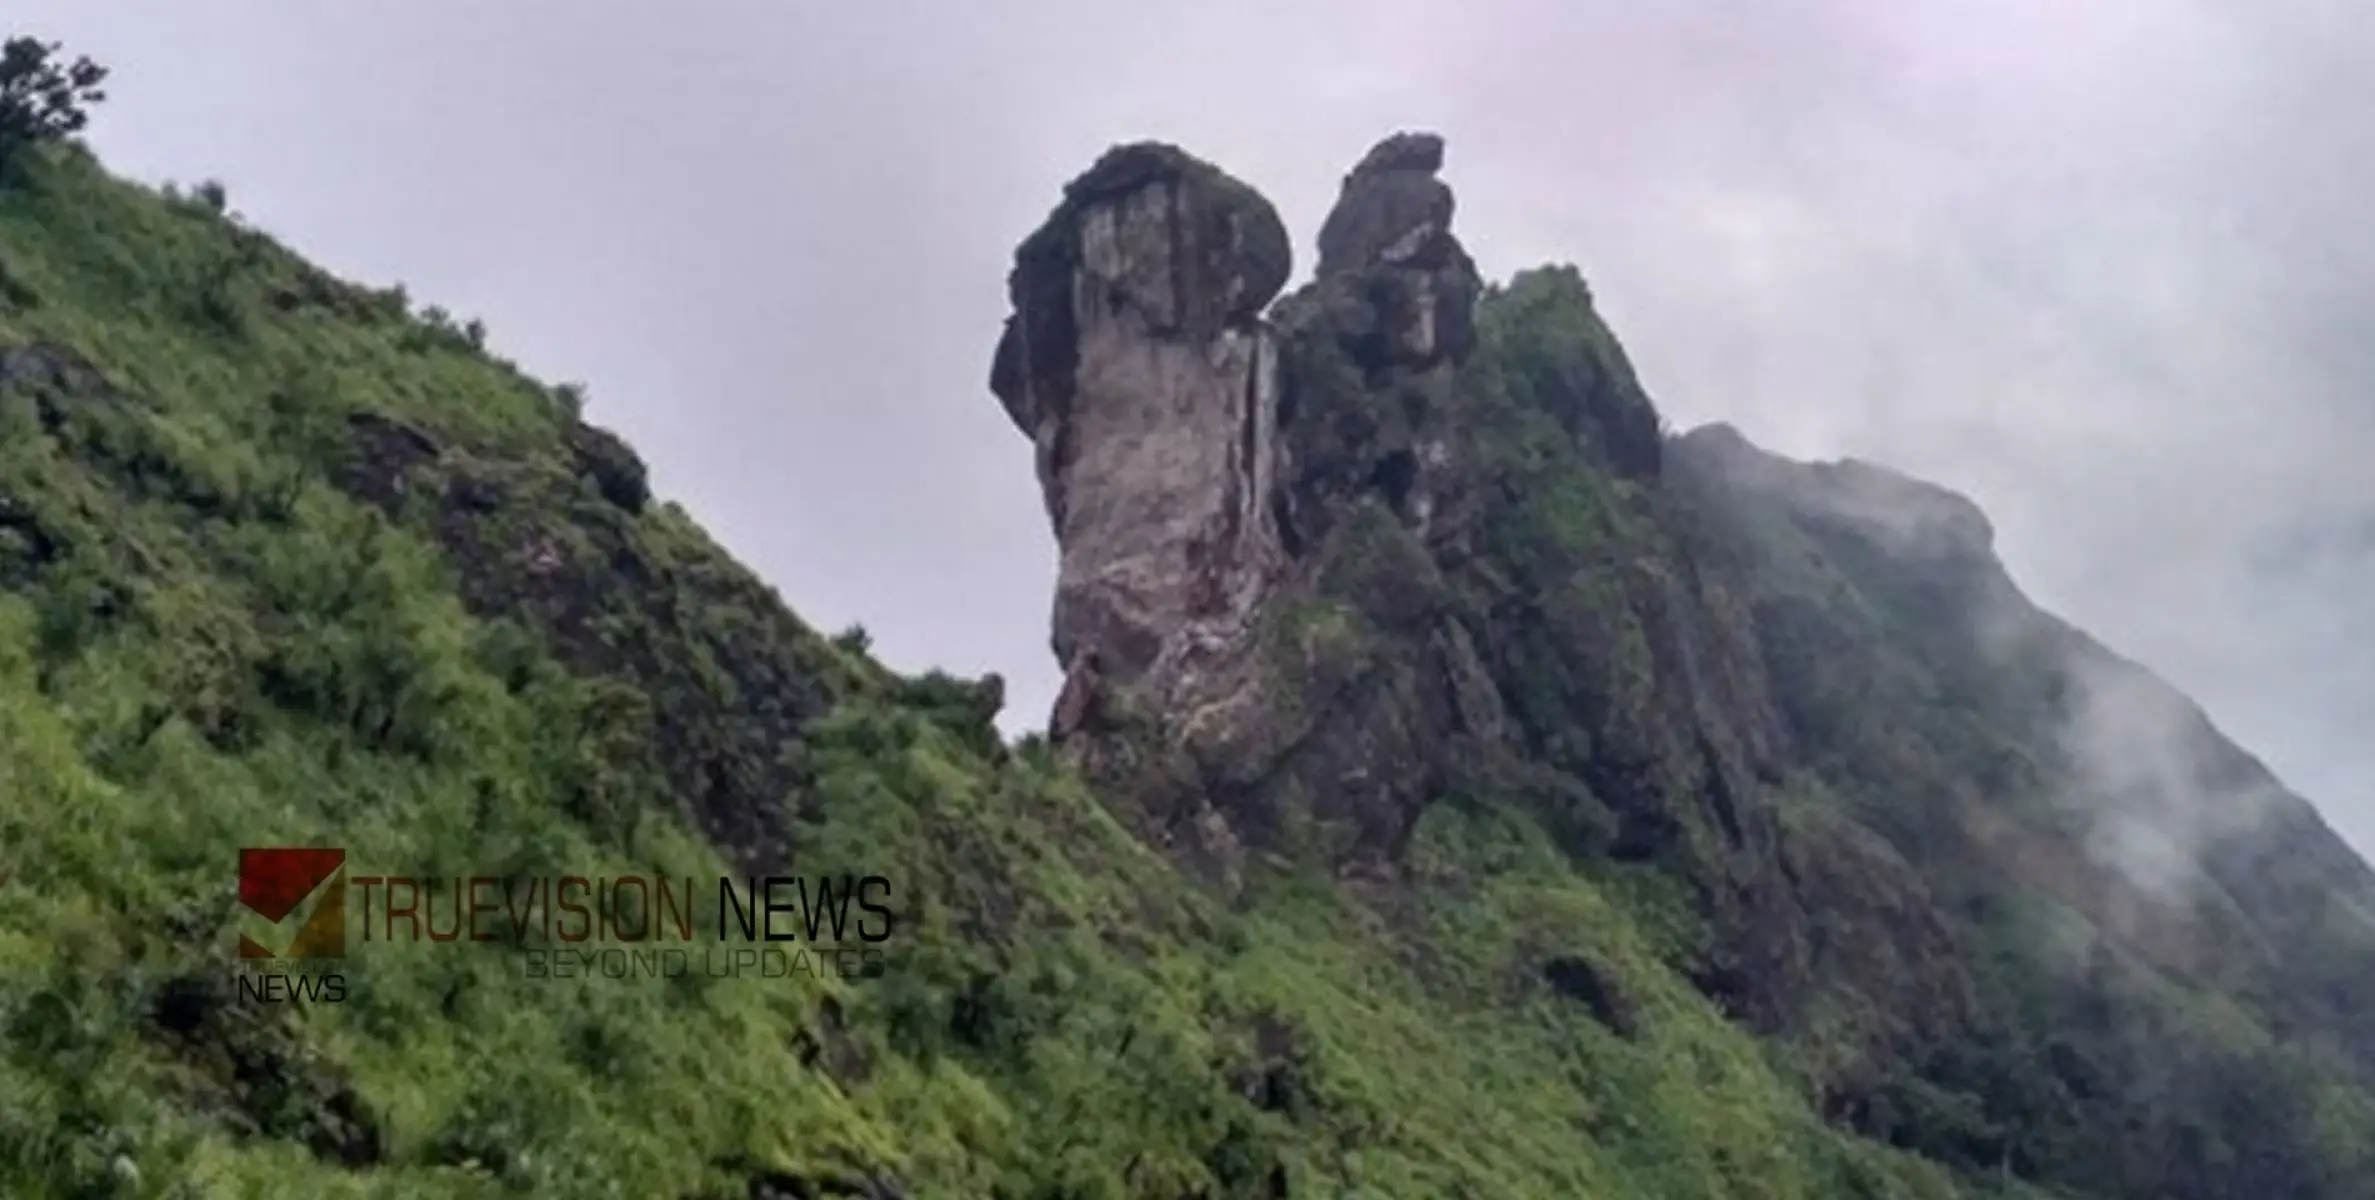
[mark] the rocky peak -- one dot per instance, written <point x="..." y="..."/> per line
<point x="1392" y="209"/>
<point x="1388" y="241"/>
<point x="1150" y="236"/>
<point x="1908" y="517"/>
<point x="1198" y="460"/>
<point x="1137" y="362"/>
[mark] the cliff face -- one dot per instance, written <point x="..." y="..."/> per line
<point x="1213" y="473"/>
<point x="1140" y="367"/>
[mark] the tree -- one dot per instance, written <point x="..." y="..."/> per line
<point x="42" y="96"/>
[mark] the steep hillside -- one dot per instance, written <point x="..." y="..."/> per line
<point x="2172" y="955"/>
<point x="1460" y="788"/>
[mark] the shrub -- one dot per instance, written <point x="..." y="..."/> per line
<point x="572" y="399"/>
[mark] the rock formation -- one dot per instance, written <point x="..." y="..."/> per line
<point x="1138" y="363"/>
<point x="1196" y="485"/>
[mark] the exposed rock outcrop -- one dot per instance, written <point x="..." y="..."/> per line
<point x="1371" y="346"/>
<point x="1393" y="213"/>
<point x="1137" y="362"/>
<point x="1198" y="490"/>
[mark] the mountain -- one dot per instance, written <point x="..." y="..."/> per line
<point x="1461" y="786"/>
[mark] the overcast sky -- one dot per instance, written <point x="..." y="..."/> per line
<point x="2106" y="266"/>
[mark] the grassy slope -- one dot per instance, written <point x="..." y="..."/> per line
<point x="205" y="644"/>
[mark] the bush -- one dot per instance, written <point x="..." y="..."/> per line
<point x="572" y="399"/>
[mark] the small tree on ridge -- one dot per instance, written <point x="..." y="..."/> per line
<point x="42" y="96"/>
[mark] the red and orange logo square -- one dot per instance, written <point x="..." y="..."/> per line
<point x="276" y="883"/>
